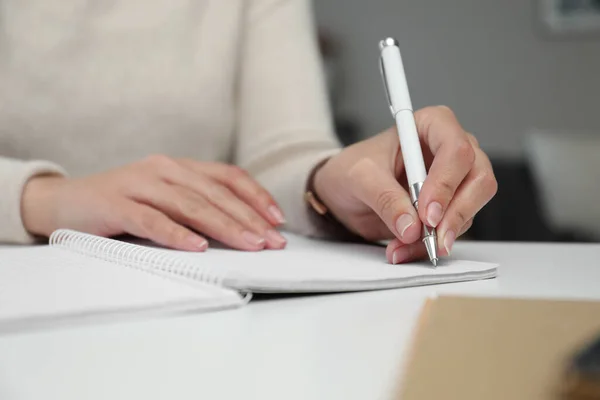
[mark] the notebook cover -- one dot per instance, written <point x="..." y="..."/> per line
<point x="484" y="348"/>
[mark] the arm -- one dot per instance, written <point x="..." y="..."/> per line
<point x="284" y="123"/>
<point x="14" y="174"/>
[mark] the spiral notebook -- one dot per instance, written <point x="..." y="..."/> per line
<point x="79" y="276"/>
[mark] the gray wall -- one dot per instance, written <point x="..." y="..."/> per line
<point x="490" y="60"/>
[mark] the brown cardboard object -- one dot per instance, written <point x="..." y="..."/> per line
<point x="486" y="348"/>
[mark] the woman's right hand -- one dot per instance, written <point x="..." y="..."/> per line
<point x="161" y="199"/>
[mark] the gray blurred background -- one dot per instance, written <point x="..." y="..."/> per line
<point x="522" y="75"/>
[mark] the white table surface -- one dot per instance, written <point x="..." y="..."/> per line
<point x="345" y="346"/>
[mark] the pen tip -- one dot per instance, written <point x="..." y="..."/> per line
<point x="434" y="262"/>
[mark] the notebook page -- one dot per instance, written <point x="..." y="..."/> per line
<point x="42" y="286"/>
<point x="312" y="265"/>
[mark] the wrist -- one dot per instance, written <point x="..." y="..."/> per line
<point x="37" y="202"/>
<point x="318" y="199"/>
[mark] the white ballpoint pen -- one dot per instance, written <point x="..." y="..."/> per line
<point x="396" y="88"/>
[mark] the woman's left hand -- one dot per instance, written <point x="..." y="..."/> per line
<point x="365" y="186"/>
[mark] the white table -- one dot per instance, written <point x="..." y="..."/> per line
<point x="348" y="346"/>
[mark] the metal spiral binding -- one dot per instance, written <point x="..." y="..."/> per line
<point x="140" y="257"/>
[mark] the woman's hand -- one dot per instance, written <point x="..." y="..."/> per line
<point x="161" y="199"/>
<point x="365" y="186"/>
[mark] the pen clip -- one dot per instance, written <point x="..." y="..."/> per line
<point x="385" y="85"/>
<point x="382" y="45"/>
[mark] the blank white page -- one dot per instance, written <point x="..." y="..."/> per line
<point x="313" y="265"/>
<point x="47" y="286"/>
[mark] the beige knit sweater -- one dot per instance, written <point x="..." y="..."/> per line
<point x="89" y="85"/>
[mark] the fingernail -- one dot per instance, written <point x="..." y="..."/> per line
<point x="253" y="239"/>
<point x="434" y="214"/>
<point x="401" y="254"/>
<point x="403" y="223"/>
<point x="277" y="214"/>
<point x="276" y="237"/>
<point x="198" y="242"/>
<point x="449" y="241"/>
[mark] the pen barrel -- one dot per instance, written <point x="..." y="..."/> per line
<point x="395" y="78"/>
<point x="410" y="147"/>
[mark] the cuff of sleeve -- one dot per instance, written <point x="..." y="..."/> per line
<point x="14" y="174"/>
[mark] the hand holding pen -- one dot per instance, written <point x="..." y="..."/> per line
<point x="372" y="187"/>
<point x="396" y="89"/>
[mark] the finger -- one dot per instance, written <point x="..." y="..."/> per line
<point x="229" y="203"/>
<point x="398" y="252"/>
<point x="175" y="175"/>
<point x="379" y="190"/>
<point x="148" y="223"/>
<point x="195" y="211"/>
<point x="226" y="201"/>
<point x="244" y="186"/>
<point x="454" y="157"/>
<point x="222" y="198"/>
<point x="475" y="192"/>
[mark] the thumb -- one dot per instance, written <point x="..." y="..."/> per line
<point x="380" y="191"/>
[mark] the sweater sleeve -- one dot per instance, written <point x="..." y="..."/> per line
<point x="284" y="122"/>
<point x="14" y="174"/>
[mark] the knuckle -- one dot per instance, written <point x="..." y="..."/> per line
<point x="162" y="163"/>
<point x="263" y="197"/>
<point x="158" y="160"/>
<point x="444" y="109"/>
<point x="147" y="222"/>
<point x="469" y="224"/>
<point x="173" y="233"/>
<point x="231" y="225"/>
<point x="464" y="151"/>
<point x="191" y="208"/>
<point x="254" y="221"/>
<point x="234" y="173"/>
<point x="461" y="218"/>
<point x="431" y="113"/>
<point x="240" y="171"/>
<point x="473" y="140"/>
<point x="258" y="192"/>
<point x="427" y="114"/>
<point x="445" y="187"/>
<point x="189" y="161"/>
<point x="488" y="183"/>
<point x="220" y="195"/>
<point x="386" y="201"/>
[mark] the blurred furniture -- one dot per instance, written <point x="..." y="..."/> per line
<point x="569" y="17"/>
<point x="514" y="213"/>
<point x="550" y="195"/>
<point x="517" y="212"/>
<point x="565" y="166"/>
